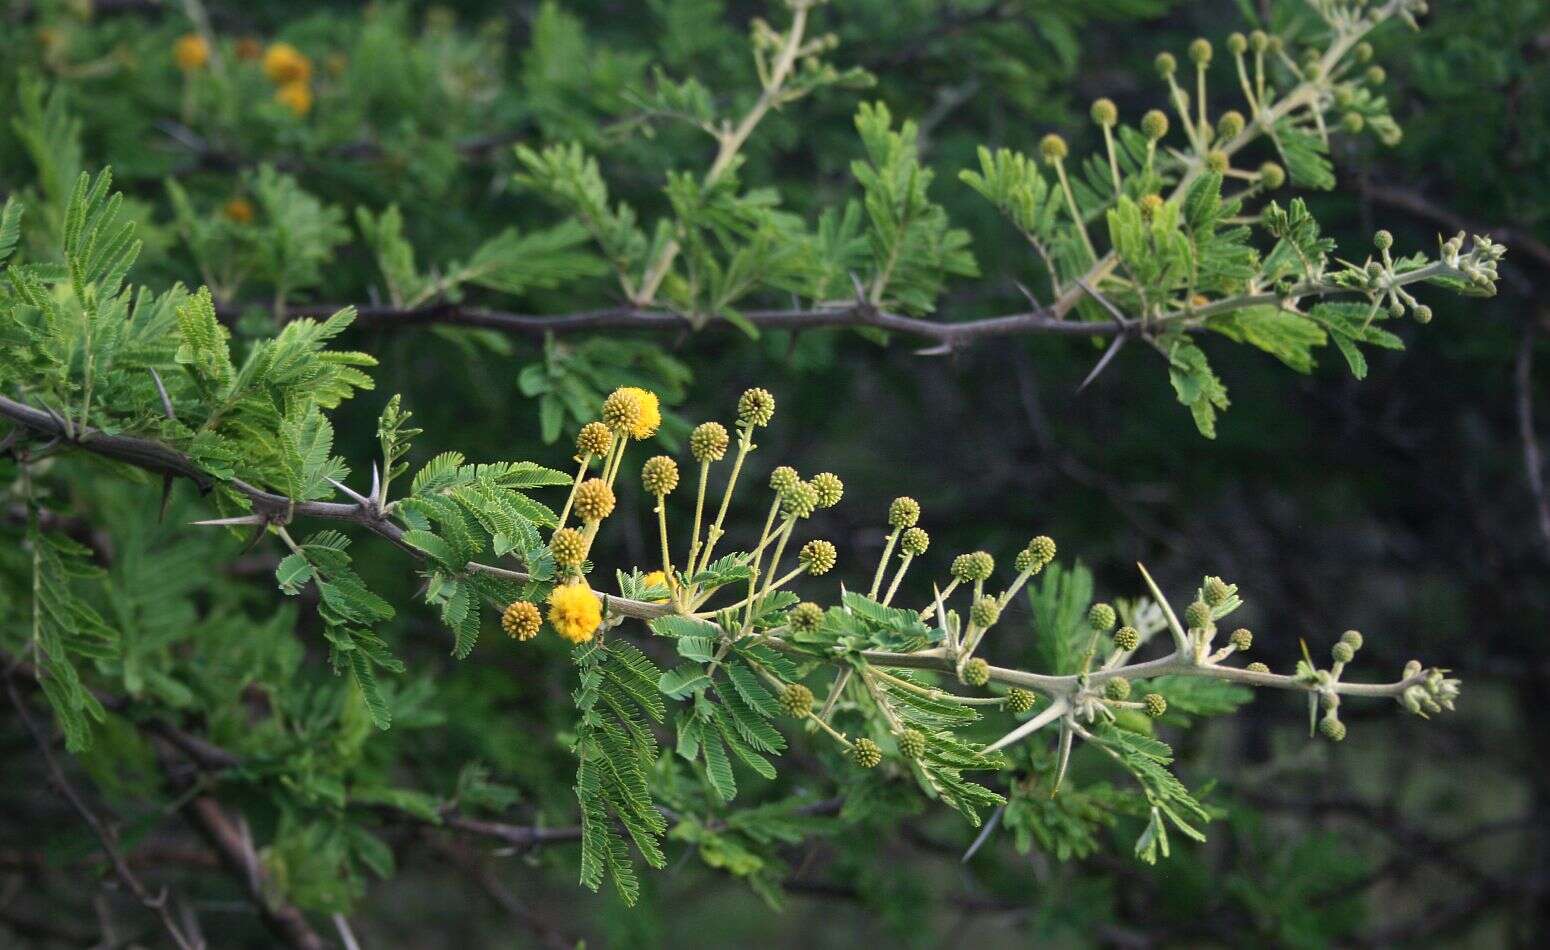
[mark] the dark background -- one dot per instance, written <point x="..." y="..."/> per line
<point x="1407" y="505"/>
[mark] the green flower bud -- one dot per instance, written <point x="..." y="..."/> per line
<point x="1166" y="64"/>
<point x="1155" y="704"/>
<point x="830" y="489"/>
<point x="659" y="475"/>
<point x="1352" y="639"/>
<point x="1154" y="125"/>
<point x="622" y="410"/>
<point x="1422" y="314"/>
<point x="1053" y="148"/>
<point x="1259" y="41"/>
<point x="1018" y="700"/>
<point x="1127" y="639"/>
<point x="1197" y="616"/>
<point x="568" y="547"/>
<point x="784" y="478"/>
<point x="818" y="557"/>
<point x="1200" y="52"/>
<point x="1117" y="689"/>
<point x="1352" y="122"/>
<point x="756" y="407"/>
<point x="1230" y="125"/>
<point x="1241" y="639"/>
<point x="1376" y="75"/>
<point x="1342" y="653"/>
<point x="914" y="542"/>
<point x="985" y="612"/>
<point x="796" y="701"/>
<point x="1332" y="729"/>
<point x="1216" y="591"/>
<point x="1362" y="52"/>
<point x="1039" y="552"/>
<point x="593" y="439"/>
<point x="1217" y="161"/>
<point x="1237" y="44"/>
<point x="976" y="566"/>
<point x="1272" y="176"/>
<point x="799" y="501"/>
<point x="805" y="617"/>
<point x="1105" y="113"/>
<point x="1383" y="240"/>
<point x="1101" y="617"/>
<point x="904" y="512"/>
<point x="912" y="744"/>
<point x="1257" y="668"/>
<point x="976" y="672"/>
<point x="866" y="754"/>
<point x="709" y="442"/>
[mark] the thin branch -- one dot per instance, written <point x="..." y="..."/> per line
<point x="1533" y="465"/>
<point x="106" y="837"/>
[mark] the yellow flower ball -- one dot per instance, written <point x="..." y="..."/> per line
<point x="238" y="210"/>
<point x="650" y="413"/>
<point x="575" y="613"/>
<point x="655" y="579"/>
<point x="284" y="64"/>
<point x="191" y="52"/>
<point x="295" y="96"/>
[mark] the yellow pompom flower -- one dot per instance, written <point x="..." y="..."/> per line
<point x="191" y="52"/>
<point x="575" y="613"/>
<point x="285" y="64"/>
<point x="238" y="210"/>
<point x="654" y="579"/>
<point x="295" y="96"/>
<point x="650" y="413"/>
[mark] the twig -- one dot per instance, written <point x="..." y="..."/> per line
<point x="1533" y="467"/>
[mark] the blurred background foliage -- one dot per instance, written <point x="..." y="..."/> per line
<point x="1404" y="505"/>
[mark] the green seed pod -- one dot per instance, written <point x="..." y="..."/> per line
<point x="1155" y="704"/>
<point x="1237" y="44"/>
<point x="1352" y="122"/>
<point x="1117" y="689"/>
<point x="805" y="617"/>
<point x="709" y="442"/>
<point x="1127" y="639"/>
<point x="1272" y="176"/>
<point x="593" y="439"/>
<point x="622" y="410"/>
<point x="799" y="501"/>
<point x="784" y="478"/>
<point x="1200" y="52"/>
<point x="904" y="512"/>
<point x="568" y="546"/>
<point x="818" y="557"/>
<point x="1053" y="148"/>
<point x="1105" y="112"/>
<point x="659" y="475"/>
<point x="756" y="407"/>
<point x="985" y="612"/>
<point x="914" y="542"/>
<point x="1166" y="64"/>
<point x="1230" y="125"/>
<point x="1352" y="639"/>
<point x="1216" y="591"/>
<point x="866" y="754"/>
<point x="1018" y="700"/>
<point x="1332" y="729"/>
<point x="1342" y="653"/>
<point x="830" y="489"/>
<point x="1101" y="617"/>
<point x="796" y="700"/>
<point x="1257" y="668"/>
<point x="912" y="743"/>
<point x="594" y="500"/>
<point x="1197" y="616"/>
<point x="1242" y="639"/>
<point x="1154" y="125"/>
<point x="976" y="672"/>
